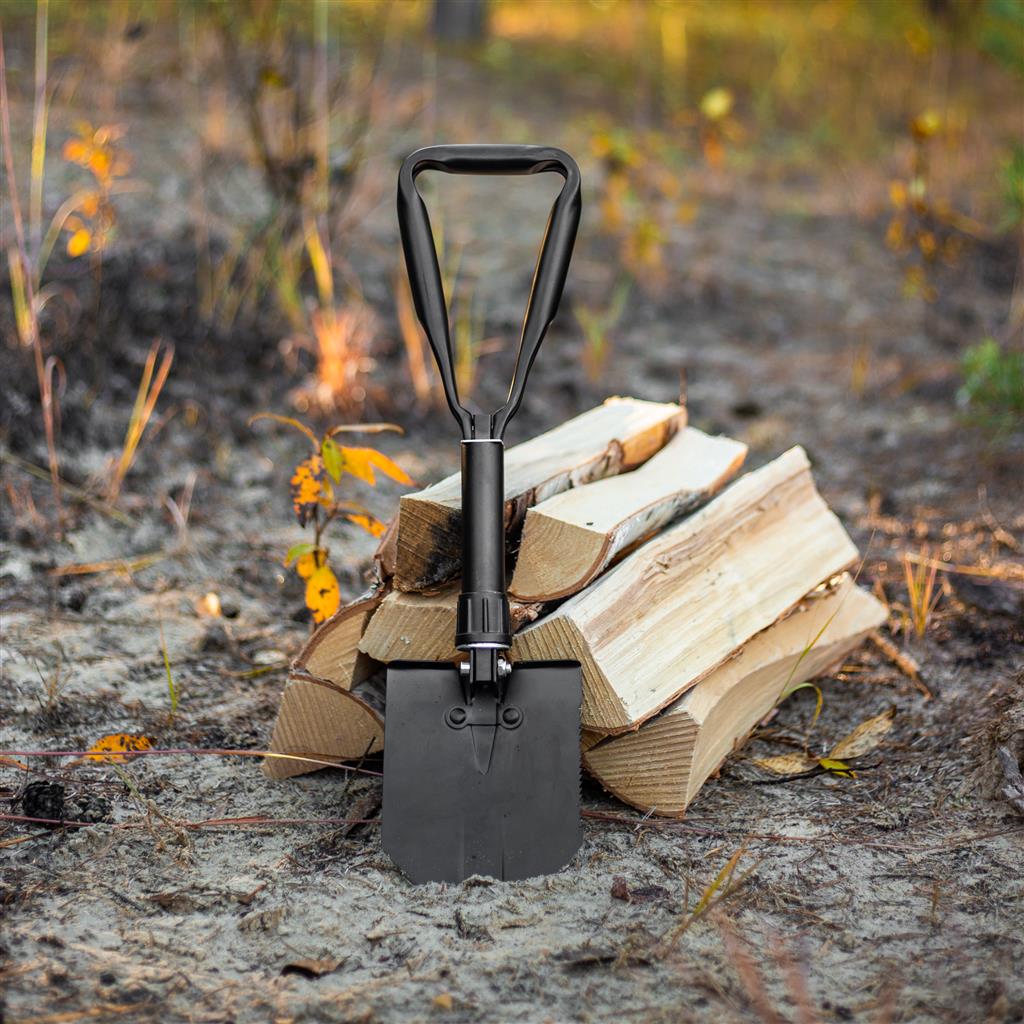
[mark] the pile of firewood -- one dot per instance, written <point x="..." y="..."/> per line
<point x="694" y="598"/>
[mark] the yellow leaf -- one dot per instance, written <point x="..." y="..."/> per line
<point x="925" y="125"/>
<point x="444" y="1001"/>
<point x="78" y="243"/>
<point x="307" y="485"/>
<point x="307" y="564"/>
<point x="116" y="745"/>
<point x="361" y="462"/>
<point x="786" y="764"/>
<point x="373" y="526"/>
<point x="323" y="596"/>
<point x="716" y="103"/>
<point x="865" y="737"/>
<point x="835" y="767"/>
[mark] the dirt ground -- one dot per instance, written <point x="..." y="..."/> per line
<point x="892" y="896"/>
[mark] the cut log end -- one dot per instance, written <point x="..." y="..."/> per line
<point x="321" y="723"/>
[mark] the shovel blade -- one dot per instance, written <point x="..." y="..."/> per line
<point x="444" y="818"/>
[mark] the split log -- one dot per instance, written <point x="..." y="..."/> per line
<point x="677" y="607"/>
<point x="570" y="539"/>
<point x="332" y="652"/>
<point x="323" y="722"/>
<point x="421" y="627"/>
<point x="661" y="767"/>
<point x="425" y="547"/>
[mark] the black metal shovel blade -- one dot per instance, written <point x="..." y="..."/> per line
<point x="444" y="818"/>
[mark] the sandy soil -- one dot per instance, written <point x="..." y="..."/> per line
<point x="894" y="896"/>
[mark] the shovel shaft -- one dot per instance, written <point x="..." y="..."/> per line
<point x="483" y="616"/>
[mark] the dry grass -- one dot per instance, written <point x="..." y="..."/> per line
<point x="922" y="593"/>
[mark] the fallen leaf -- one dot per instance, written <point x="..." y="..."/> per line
<point x="323" y="595"/>
<point x="444" y="1001"/>
<point x="307" y="484"/>
<point x="621" y="890"/>
<point x="361" y="462"/>
<point x="786" y="764"/>
<point x="114" y="746"/>
<point x="208" y="606"/>
<point x="835" y="767"/>
<point x="865" y="737"/>
<point x="307" y="967"/>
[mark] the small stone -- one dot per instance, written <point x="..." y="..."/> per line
<point x="87" y="807"/>
<point x="73" y="598"/>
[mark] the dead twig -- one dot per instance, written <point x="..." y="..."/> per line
<point x="196" y="752"/>
<point x="903" y="661"/>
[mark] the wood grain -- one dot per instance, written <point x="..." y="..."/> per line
<point x="574" y="536"/>
<point x="661" y="767"/>
<point x="678" y="606"/>
<point x="619" y="435"/>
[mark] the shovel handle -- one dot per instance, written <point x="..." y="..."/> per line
<point x="549" y="274"/>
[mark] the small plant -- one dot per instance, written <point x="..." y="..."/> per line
<point x="596" y="325"/>
<point x="1013" y="188"/>
<point x="150" y="386"/>
<point x="92" y="218"/>
<point x="716" y="124"/>
<point x="316" y="505"/>
<point x="88" y="215"/>
<point x="172" y="689"/>
<point x="922" y="594"/>
<point x="993" y="389"/>
<point x="924" y="230"/>
<point x="641" y="194"/>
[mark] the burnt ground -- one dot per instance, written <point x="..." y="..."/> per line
<point x="892" y="896"/>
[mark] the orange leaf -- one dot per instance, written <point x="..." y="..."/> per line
<point x="323" y="596"/>
<point x="99" y="164"/>
<point x="76" y="151"/>
<point x="116" y="745"/>
<point x="361" y="462"/>
<point x="373" y="526"/>
<point x="307" y="485"/>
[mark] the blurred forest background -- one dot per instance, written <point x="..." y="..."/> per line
<point x="242" y="154"/>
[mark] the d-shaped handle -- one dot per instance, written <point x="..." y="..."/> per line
<point x="549" y="275"/>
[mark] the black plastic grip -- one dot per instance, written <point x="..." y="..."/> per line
<point x="549" y="275"/>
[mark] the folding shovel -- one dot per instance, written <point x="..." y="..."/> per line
<point x="482" y="757"/>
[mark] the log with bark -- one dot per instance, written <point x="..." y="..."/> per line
<point x="688" y="599"/>
<point x="422" y="551"/>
